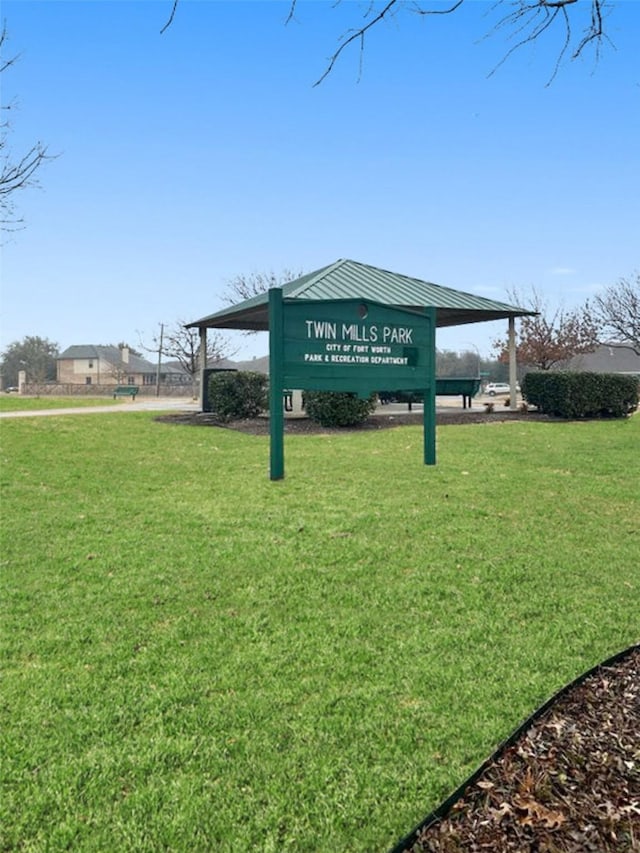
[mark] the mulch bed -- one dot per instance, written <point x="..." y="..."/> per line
<point x="303" y="426"/>
<point x="569" y="784"/>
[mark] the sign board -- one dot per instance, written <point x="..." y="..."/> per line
<point x="352" y="345"/>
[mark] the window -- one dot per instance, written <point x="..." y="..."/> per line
<point x="87" y="381"/>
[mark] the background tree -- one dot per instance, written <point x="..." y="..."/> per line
<point x="243" y="287"/>
<point x="581" y="25"/>
<point x="550" y="338"/>
<point x="182" y="345"/>
<point x="467" y="363"/>
<point x="124" y="345"/>
<point x="617" y="310"/>
<point x="36" y="356"/>
<point x="17" y="171"/>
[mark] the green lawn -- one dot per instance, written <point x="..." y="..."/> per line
<point x="195" y="658"/>
<point x="17" y="403"/>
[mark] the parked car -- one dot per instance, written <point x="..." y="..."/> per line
<point x="493" y="388"/>
<point x="11" y="389"/>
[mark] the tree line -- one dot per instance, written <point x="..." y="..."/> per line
<point x="545" y="341"/>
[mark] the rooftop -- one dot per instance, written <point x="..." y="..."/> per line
<point x="346" y="279"/>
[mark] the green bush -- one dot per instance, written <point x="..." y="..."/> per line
<point x="338" y="409"/>
<point x="581" y="395"/>
<point x="237" y="394"/>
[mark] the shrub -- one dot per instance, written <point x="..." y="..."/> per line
<point x="623" y="395"/>
<point x="581" y="395"/>
<point x="338" y="409"/>
<point x="237" y="394"/>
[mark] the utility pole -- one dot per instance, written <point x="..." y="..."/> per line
<point x="159" y="360"/>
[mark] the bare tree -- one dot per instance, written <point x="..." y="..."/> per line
<point x="243" y="287"/>
<point x="617" y="309"/>
<point x="549" y="338"/>
<point x="581" y="25"/>
<point x="182" y="344"/>
<point x="17" y="172"/>
<point x="118" y="371"/>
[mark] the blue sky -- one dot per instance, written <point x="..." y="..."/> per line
<point x="188" y="158"/>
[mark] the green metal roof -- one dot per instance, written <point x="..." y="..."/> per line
<point x="347" y="279"/>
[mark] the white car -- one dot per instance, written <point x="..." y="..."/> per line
<point x="493" y="388"/>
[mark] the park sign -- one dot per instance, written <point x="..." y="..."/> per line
<point x="353" y="345"/>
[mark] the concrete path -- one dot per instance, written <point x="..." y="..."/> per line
<point x="182" y="404"/>
<point x="185" y="404"/>
<point x="142" y="404"/>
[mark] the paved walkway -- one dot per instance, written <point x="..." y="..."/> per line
<point x="182" y="404"/>
<point x="142" y="404"/>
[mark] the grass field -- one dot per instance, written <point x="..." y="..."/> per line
<point x="17" y="403"/>
<point x="195" y="658"/>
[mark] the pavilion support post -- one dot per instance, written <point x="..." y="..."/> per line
<point x="513" y="373"/>
<point x="429" y="404"/>
<point x="202" y="359"/>
<point x="276" y="387"/>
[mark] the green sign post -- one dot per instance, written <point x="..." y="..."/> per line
<point x="350" y="345"/>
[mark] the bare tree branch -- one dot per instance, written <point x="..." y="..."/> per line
<point x="528" y="19"/>
<point x="171" y="17"/>
<point x="618" y="309"/>
<point x="243" y="287"/>
<point x="15" y="174"/>
<point x="356" y="35"/>
<point x="524" y="17"/>
<point x="535" y="17"/>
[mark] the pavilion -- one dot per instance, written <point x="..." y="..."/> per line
<point x="347" y="279"/>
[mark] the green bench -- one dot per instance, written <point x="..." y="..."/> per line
<point x="454" y="386"/>
<point x="447" y="386"/>
<point x="125" y="391"/>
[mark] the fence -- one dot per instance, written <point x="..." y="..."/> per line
<point x="53" y="389"/>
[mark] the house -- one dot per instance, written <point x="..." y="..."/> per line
<point x="88" y="364"/>
<point x="608" y="358"/>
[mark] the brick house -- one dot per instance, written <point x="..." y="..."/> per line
<point x="88" y="364"/>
